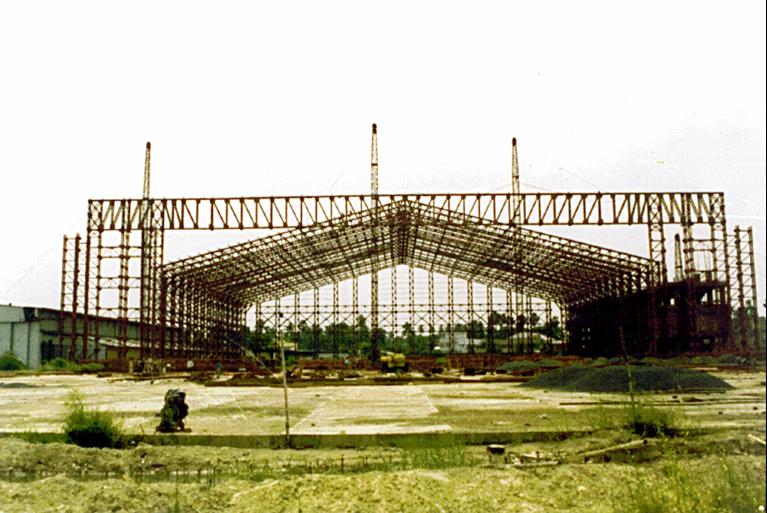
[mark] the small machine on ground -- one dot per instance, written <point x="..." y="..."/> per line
<point x="393" y="362"/>
<point x="173" y="411"/>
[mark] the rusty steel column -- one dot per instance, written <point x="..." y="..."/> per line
<point x="432" y="313"/>
<point x="355" y="314"/>
<point x="549" y="328"/>
<point x="470" y="325"/>
<point x="742" y="322"/>
<point x="394" y="309"/>
<point x="316" y="323"/>
<point x="375" y="351"/>
<point x="754" y="300"/>
<point x="258" y="328"/>
<point x="450" y="314"/>
<point x="86" y="293"/>
<point x="489" y="335"/>
<point x="411" y="308"/>
<point x="63" y="304"/>
<point x="510" y="327"/>
<point x="519" y="320"/>
<point x="297" y="319"/>
<point x="335" y="319"/>
<point x="75" y="304"/>
<point x="657" y="242"/>
<point x="123" y="285"/>
<point x="99" y="287"/>
<point x="529" y="323"/>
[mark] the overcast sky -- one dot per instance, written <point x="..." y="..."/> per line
<point x="245" y="100"/>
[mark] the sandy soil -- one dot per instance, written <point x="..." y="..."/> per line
<point x="575" y="488"/>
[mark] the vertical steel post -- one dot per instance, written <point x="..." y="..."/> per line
<point x="411" y="308"/>
<point x="355" y="314"/>
<point x="432" y="313"/>
<point x="509" y="323"/>
<point x="470" y="325"/>
<point x="489" y="336"/>
<point x="451" y="314"/>
<point x="742" y="324"/>
<point x="75" y="305"/>
<point x="99" y="278"/>
<point x="394" y="309"/>
<point x="657" y="243"/>
<point x="549" y="328"/>
<point x="374" y="332"/>
<point x="316" y="323"/>
<point x="63" y="303"/>
<point x="754" y="302"/>
<point x="335" y="319"/>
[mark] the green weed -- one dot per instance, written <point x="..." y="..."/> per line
<point x="89" y="428"/>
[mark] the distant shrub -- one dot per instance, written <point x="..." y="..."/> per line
<point x="59" y="364"/>
<point x="652" y="422"/>
<point x="89" y="428"/>
<point x="551" y="363"/>
<point x="518" y="366"/>
<point x="91" y="367"/>
<point x="704" y="360"/>
<point x="9" y="361"/>
<point x="730" y="359"/>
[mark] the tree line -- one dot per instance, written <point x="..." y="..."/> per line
<point x="356" y="339"/>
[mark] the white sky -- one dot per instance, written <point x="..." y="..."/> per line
<point x="239" y="99"/>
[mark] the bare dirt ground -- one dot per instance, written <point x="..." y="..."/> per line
<point x="718" y="466"/>
<point x="36" y="403"/>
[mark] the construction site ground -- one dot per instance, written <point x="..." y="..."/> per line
<point x="35" y="403"/>
<point x="587" y="464"/>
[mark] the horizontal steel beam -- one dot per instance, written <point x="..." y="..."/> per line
<point x="535" y="209"/>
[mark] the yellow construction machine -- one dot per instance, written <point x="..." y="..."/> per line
<point x="393" y="362"/>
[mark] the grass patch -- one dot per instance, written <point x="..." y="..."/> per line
<point x="90" y="428"/>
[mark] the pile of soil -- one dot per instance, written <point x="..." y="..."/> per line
<point x="615" y="379"/>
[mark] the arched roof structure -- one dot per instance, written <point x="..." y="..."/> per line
<point x="409" y="233"/>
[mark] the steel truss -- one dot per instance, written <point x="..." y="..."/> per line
<point x="196" y="307"/>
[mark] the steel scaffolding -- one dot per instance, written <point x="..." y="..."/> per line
<point x="452" y="245"/>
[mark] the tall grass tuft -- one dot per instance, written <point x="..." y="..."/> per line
<point x="719" y="486"/>
<point x="89" y="428"/>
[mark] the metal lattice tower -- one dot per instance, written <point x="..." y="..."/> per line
<point x="374" y="274"/>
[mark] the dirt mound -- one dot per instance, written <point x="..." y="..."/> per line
<point x="615" y="379"/>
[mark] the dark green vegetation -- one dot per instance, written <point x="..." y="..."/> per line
<point x="10" y="362"/>
<point x="615" y="379"/>
<point x="341" y="337"/>
<point x="89" y="428"/>
<point x="60" y="364"/>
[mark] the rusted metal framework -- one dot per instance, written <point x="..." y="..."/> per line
<point x="197" y="307"/>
